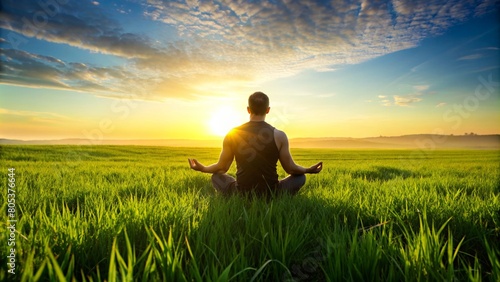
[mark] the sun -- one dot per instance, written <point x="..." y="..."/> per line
<point x="223" y="120"/>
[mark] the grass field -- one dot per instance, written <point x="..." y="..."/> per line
<point x="94" y="213"/>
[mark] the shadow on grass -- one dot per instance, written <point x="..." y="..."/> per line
<point x="290" y="238"/>
<point x="256" y="238"/>
<point x="297" y="238"/>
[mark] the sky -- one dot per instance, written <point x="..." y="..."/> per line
<point x="184" y="69"/>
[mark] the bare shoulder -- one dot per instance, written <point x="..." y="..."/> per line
<point x="280" y="139"/>
<point x="228" y="139"/>
<point x="280" y="135"/>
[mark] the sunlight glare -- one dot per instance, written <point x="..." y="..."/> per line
<point x="223" y="120"/>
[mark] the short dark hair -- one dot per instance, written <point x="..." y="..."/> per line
<point x="258" y="103"/>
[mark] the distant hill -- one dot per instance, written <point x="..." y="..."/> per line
<point x="417" y="141"/>
<point x="422" y="141"/>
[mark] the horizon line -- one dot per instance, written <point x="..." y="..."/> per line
<point x="221" y="137"/>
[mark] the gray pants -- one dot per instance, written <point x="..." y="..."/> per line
<point x="226" y="184"/>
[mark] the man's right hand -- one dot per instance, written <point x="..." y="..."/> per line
<point x="195" y="165"/>
<point x="315" y="168"/>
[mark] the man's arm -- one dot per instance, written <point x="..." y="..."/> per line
<point x="286" y="159"/>
<point x="222" y="166"/>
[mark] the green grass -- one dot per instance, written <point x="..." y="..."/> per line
<point x="115" y="213"/>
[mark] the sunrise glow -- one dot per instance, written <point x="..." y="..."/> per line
<point x="184" y="69"/>
<point x="222" y="120"/>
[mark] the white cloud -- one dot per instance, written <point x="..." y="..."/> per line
<point x="386" y="103"/>
<point x="406" y="100"/>
<point x="421" y="88"/>
<point x="440" y="105"/>
<point x="239" y="42"/>
<point x="306" y="35"/>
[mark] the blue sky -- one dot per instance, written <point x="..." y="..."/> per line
<point x="178" y="69"/>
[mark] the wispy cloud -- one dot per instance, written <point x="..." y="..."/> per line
<point x="442" y="104"/>
<point x="421" y="88"/>
<point x="491" y="48"/>
<point x="240" y="42"/>
<point x="79" y="24"/>
<point x="386" y="103"/>
<point x="33" y="70"/>
<point x="470" y="57"/>
<point x="406" y="100"/>
<point x="415" y="96"/>
<point x="328" y="95"/>
<point x="38" y="117"/>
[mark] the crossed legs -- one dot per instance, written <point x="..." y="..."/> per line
<point x="291" y="184"/>
<point x="223" y="183"/>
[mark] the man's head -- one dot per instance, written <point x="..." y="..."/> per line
<point x="258" y="104"/>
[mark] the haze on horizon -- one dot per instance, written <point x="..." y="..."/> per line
<point x="184" y="69"/>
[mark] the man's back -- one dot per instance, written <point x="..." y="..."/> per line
<point x="257" y="147"/>
<point x="256" y="156"/>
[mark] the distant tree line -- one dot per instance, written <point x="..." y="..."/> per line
<point x="468" y="134"/>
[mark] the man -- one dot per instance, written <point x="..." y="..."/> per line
<point x="257" y="147"/>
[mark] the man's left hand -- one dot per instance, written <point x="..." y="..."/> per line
<point x="315" y="168"/>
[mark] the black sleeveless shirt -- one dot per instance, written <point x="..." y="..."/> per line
<point x="256" y="156"/>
